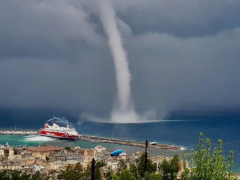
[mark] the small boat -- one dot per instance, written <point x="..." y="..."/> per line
<point x="153" y="143"/>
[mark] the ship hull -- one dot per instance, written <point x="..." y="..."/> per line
<point x="58" y="135"/>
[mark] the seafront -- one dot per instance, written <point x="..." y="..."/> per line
<point x="96" y="139"/>
<point x="51" y="161"/>
<point x="7" y="132"/>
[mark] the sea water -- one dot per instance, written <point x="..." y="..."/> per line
<point x="180" y="133"/>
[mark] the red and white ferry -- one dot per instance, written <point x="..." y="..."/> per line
<point x="59" y="132"/>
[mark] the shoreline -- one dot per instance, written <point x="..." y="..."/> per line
<point x="97" y="139"/>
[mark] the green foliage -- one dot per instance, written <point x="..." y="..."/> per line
<point x="86" y="173"/>
<point x="121" y="166"/>
<point x="74" y="172"/>
<point x="126" y="175"/>
<point x="170" y="169"/>
<point x="18" y="175"/>
<point x="47" y="158"/>
<point x="98" y="173"/>
<point x="67" y="148"/>
<point x="36" y="176"/>
<point x="77" y="172"/>
<point x="109" y="175"/>
<point x="4" y="175"/>
<point x="151" y="167"/>
<point x="207" y="166"/>
<point x="100" y="164"/>
<point x="154" y="176"/>
<point x="134" y="170"/>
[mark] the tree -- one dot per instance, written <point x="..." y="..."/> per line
<point x="170" y="169"/>
<point x="36" y="176"/>
<point x="87" y="173"/>
<point x="73" y="172"/>
<point x="25" y="176"/>
<point x="207" y="166"/>
<point x="151" y="167"/>
<point x="121" y="166"/>
<point x="98" y="173"/>
<point x="154" y="176"/>
<point x="174" y="166"/>
<point x="134" y="170"/>
<point x="109" y="175"/>
<point x="47" y="158"/>
<point x="18" y="175"/>
<point x="78" y="171"/>
<point x="4" y="175"/>
<point x="164" y="167"/>
<point x="68" y="173"/>
<point x="126" y="175"/>
<point x="67" y="148"/>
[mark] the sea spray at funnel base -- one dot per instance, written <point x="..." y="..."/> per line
<point x="124" y="109"/>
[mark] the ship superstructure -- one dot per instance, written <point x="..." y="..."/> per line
<point x="57" y="131"/>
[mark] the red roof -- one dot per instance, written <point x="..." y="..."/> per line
<point x="44" y="149"/>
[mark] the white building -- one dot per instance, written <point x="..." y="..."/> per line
<point x="36" y="167"/>
<point x="100" y="148"/>
<point x="2" y="152"/>
<point x="123" y="156"/>
<point x="112" y="164"/>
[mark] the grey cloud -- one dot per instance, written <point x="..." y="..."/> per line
<point x="56" y="84"/>
<point x="178" y="71"/>
<point x="183" y="55"/>
<point x="180" y="18"/>
<point x="30" y="28"/>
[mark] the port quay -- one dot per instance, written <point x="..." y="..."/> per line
<point x="8" y="132"/>
<point x="96" y="139"/>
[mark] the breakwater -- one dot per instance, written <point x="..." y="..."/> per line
<point x="96" y="139"/>
<point x="5" y="132"/>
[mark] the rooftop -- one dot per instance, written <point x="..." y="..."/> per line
<point x="44" y="149"/>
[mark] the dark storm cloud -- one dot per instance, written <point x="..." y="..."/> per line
<point x="183" y="54"/>
<point x="180" y="18"/>
<point x="44" y="29"/>
<point x="191" y="71"/>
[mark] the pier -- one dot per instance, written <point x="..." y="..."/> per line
<point x="5" y="132"/>
<point x="96" y="139"/>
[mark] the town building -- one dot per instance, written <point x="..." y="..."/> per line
<point x="65" y="156"/>
<point x="10" y="165"/>
<point x="113" y="164"/>
<point x="43" y="151"/>
<point x="100" y="148"/>
<point x="88" y="155"/>
<point x="2" y="152"/>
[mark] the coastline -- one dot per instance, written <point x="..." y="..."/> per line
<point x="97" y="139"/>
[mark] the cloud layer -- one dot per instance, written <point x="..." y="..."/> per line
<point x="183" y="55"/>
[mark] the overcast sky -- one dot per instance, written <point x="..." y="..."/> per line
<point x="183" y="55"/>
